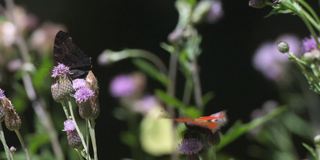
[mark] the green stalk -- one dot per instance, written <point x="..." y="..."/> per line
<point x="23" y="144"/>
<point x="79" y="132"/>
<point x="310" y="10"/>
<point x="93" y="139"/>
<point x="4" y="143"/>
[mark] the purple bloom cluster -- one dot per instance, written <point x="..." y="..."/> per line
<point x="78" y="83"/>
<point x="83" y="94"/>
<point x="69" y="125"/>
<point x="309" y="44"/>
<point x="190" y="146"/>
<point x="60" y="70"/>
<point x="123" y="86"/>
<point x="2" y="95"/>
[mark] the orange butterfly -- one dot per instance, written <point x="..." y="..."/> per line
<point x="213" y="122"/>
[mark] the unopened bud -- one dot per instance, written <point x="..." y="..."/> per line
<point x="12" y="120"/>
<point x="62" y="89"/>
<point x="2" y="113"/>
<point x="74" y="139"/>
<point x="283" y="47"/>
<point x="13" y="149"/>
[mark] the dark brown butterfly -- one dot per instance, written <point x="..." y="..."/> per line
<point x="67" y="53"/>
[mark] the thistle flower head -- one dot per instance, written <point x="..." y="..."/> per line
<point x="309" y="44"/>
<point x="123" y="86"/>
<point x="69" y="125"/>
<point x="78" y="83"/>
<point x="190" y="146"/>
<point x="60" y="70"/>
<point x="83" y="94"/>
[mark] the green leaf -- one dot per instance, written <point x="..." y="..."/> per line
<point x="206" y="98"/>
<point x="311" y="150"/>
<point x="151" y="71"/>
<point x="239" y="129"/>
<point x="40" y="77"/>
<point x="36" y="141"/>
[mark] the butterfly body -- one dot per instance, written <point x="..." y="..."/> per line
<point x="67" y="53"/>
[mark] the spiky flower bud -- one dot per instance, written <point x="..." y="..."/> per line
<point x="12" y="120"/>
<point x="73" y="137"/>
<point x="283" y="47"/>
<point x="62" y="89"/>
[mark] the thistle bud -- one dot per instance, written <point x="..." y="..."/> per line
<point x="73" y="137"/>
<point x="62" y="89"/>
<point x="12" y="120"/>
<point x="92" y="82"/>
<point x="283" y="47"/>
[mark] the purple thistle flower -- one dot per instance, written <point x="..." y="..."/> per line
<point x="83" y="94"/>
<point x="78" y="83"/>
<point x="123" y="86"/>
<point x="309" y="44"/>
<point x="146" y="104"/>
<point x="190" y="146"/>
<point x="69" y="125"/>
<point x="215" y="12"/>
<point x="2" y="95"/>
<point x="60" y="70"/>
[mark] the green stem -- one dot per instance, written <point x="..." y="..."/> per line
<point x="65" y="109"/>
<point x="310" y="10"/>
<point x="93" y="139"/>
<point x="79" y="132"/>
<point x="23" y="144"/>
<point x="4" y="143"/>
<point x="197" y="86"/>
<point x="187" y="90"/>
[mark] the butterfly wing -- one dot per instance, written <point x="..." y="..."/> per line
<point x="67" y="53"/>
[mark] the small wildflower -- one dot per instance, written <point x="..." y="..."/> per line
<point x="60" y="70"/>
<point x="8" y="33"/>
<point x="190" y="146"/>
<point x="78" y="83"/>
<point x="309" y="44"/>
<point x="215" y="12"/>
<point x="69" y="125"/>
<point x="123" y="86"/>
<point x="83" y="94"/>
<point x="72" y="135"/>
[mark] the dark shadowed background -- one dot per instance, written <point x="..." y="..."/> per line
<point x="226" y="66"/>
